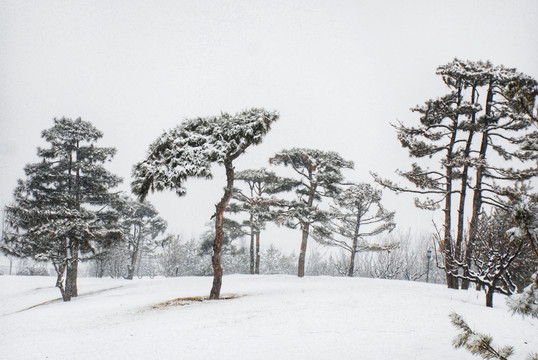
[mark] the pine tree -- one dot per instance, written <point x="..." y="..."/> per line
<point x="525" y="215"/>
<point x="494" y="255"/>
<point x="258" y="203"/>
<point x="321" y="174"/>
<point x="493" y="102"/>
<point x="60" y="211"/>
<point x="358" y="214"/>
<point x="190" y="149"/>
<point x="140" y="225"/>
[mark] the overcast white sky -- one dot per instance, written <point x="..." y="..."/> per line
<point x="337" y="71"/>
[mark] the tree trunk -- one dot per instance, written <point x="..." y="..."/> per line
<point x="132" y="266"/>
<point x="448" y="251"/>
<point x="219" y="219"/>
<point x="72" y="272"/>
<point x="302" y="253"/>
<point x="257" y="268"/>
<point x="72" y="264"/>
<point x="351" y="269"/>
<point x="448" y="246"/>
<point x="477" y="192"/>
<point x="463" y="192"/>
<point x="252" y="261"/>
<point x="306" y="231"/>
<point x="489" y="296"/>
<point x="60" y="269"/>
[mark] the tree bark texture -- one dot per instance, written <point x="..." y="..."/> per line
<point x="257" y="267"/>
<point x="477" y="193"/>
<point x="132" y="266"/>
<point x="463" y="191"/>
<point x="219" y="219"/>
<point x="306" y="231"/>
<point x="72" y="272"/>
<point x="60" y="270"/>
<point x="489" y="296"/>
<point x="252" y="256"/>
<point x="302" y="253"/>
<point x="351" y="269"/>
<point x="447" y="245"/>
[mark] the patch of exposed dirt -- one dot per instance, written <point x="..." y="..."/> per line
<point x="191" y="300"/>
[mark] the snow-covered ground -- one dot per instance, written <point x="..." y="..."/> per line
<point x="273" y="317"/>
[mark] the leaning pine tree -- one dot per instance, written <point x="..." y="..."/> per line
<point x="60" y="211"/>
<point x="190" y="149"/>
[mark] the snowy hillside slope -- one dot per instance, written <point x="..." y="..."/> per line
<point x="273" y="317"/>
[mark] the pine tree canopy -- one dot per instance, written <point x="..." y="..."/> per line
<point x="320" y="171"/>
<point x="189" y="149"/>
<point x="55" y="205"/>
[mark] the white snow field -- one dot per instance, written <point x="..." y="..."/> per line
<point x="274" y="317"/>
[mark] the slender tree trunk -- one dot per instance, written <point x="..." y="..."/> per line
<point x="302" y="252"/>
<point x="72" y="272"/>
<point x="69" y="245"/>
<point x="72" y="265"/>
<point x="351" y="269"/>
<point x="219" y="219"/>
<point x="131" y="268"/>
<point x="304" y="239"/>
<point x="477" y="191"/>
<point x="448" y="246"/>
<point x="489" y="296"/>
<point x="60" y="270"/>
<point x="252" y="260"/>
<point x="257" y="268"/>
<point x="463" y="192"/>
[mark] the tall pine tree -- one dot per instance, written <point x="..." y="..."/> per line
<point x="357" y="215"/>
<point x="140" y="225"/>
<point x="480" y="140"/>
<point x="60" y="211"/>
<point x="258" y="202"/>
<point x="320" y="175"/>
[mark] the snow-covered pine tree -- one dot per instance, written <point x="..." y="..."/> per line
<point x="358" y="214"/>
<point x="321" y="176"/>
<point x="435" y="135"/>
<point x="525" y="215"/>
<point x="258" y="203"/>
<point x="448" y="125"/>
<point x="60" y="211"/>
<point x="506" y="135"/>
<point x="494" y="255"/>
<point x="140" y="225"/>
<point x="190" y="149"/>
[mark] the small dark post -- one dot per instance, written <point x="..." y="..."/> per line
<point x="428" y="256"/>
